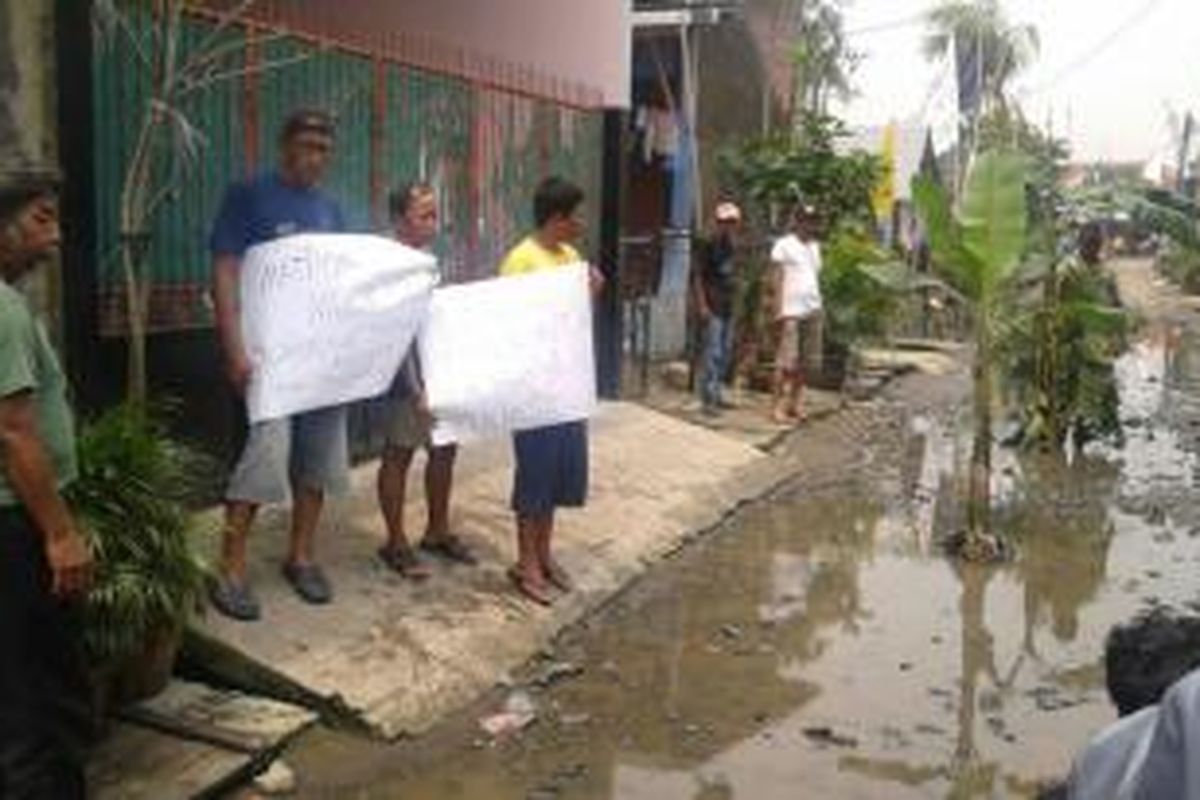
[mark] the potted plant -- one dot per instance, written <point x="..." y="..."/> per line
<point x="132" y="500"/>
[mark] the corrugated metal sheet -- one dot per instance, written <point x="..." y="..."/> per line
<point x="484" y="150"/>
<point x="177" y="255"/>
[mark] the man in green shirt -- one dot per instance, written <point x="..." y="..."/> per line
<point x="45" y="564"/>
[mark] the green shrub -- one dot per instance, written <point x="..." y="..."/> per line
<point x="132" y="500"/>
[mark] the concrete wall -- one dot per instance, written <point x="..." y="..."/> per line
<point x="27" y="111"/>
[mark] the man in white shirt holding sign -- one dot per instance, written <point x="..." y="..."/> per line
<point x="796" y="261"/>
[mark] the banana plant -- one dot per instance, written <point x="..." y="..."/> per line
<point x="979" y="247"/>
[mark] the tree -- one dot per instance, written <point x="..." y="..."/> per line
<point x="822" y="59"/>
<point x="1066" y="327"/>
<point x="982" y="35"/>
<point x="979" y="249"/>
<point x="777" y="171"/>
<point x="167" y="145"/>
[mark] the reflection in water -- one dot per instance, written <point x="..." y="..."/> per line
<point x="820" y="648"/>
<point x="1064" y="530"/>
<point x="971" y="775"/>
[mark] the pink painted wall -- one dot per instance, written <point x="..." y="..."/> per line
<point x="577" y="51"/>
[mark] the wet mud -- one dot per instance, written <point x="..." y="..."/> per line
<point x="819" y="645"/>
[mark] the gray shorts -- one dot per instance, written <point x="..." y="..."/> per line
<point x="305" y="451"/>
<point x="801" y="344"/>
<point x="407" y="428"/>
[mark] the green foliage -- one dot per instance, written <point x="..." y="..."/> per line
<point x="773" y="173"/>
<point x="994" y="220"/>
<point x="979" y="249"/>
<point x="132" y="499"/>
<point x="858" y="300"/>
<point x="1175" y="219"/>
<point x="1057" y="356"/>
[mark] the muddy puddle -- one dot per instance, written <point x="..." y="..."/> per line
<point x="820" y="647"/>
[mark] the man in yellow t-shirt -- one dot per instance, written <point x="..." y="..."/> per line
<point x="552" y="462"/>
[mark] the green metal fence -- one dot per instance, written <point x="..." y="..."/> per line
<point x="484" y="150"/>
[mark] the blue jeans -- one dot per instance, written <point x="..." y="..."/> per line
<point x="718" y="350"/>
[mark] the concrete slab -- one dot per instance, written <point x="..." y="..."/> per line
<point x="190" y="741"/>
<point x="401" y="655"/>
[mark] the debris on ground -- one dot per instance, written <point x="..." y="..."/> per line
<point x="823" y="734"/>
<point x="556" y="671"/>
<point x="519" y="713"/>
<point x="279" y="779"/>
<point x="731" y="631"/>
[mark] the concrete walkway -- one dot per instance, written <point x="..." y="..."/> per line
<point x="398" y="656"/>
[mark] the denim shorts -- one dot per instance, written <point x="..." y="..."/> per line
<point x="306" y="451"/>
<point x="552" y="469"/>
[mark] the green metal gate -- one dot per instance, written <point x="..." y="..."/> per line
<point x="483" y="149"/>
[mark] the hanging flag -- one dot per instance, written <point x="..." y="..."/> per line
<point x="968" y="52"/>
<point x="941" y="115"/>
<point x="884" y="195"/>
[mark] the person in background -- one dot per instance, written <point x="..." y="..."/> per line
<point x="552" y="462"/>
<point x="45" y="563"/>
<point x="300" y="457"/>
<point x="414" y="214"/>
<point x="714" y="292"/>
<point x="796" y="260"/>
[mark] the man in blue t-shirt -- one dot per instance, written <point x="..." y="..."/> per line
<point x="300" y="457"/>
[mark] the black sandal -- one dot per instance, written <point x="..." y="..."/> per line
<point x="404" y="562"/>
<point x="449" y="547"/>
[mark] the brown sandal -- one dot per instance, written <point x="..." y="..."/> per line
<point x="527" y="590"/>
<point x="404" y="562"/>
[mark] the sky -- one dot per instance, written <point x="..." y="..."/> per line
<point x="1108" y="73"/>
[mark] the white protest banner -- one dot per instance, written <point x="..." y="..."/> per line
<point x="328" y="318"/>
<point x="509" y="354"/>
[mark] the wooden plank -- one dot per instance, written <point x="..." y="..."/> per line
<point x="223" y="718"/>
<point x="135" y="763"/>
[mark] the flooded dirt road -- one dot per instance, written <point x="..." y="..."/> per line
<point x="819" y="646"/>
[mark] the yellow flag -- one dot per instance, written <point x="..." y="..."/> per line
<point x="884" y="195"/>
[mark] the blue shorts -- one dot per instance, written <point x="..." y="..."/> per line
<point x="552" y="469"/>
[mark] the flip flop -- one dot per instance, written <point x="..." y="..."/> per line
<point x="559" y="577"/>
<point x="234" y="599"/>
<point x="526" y="590"/>
<point x="404" y="562"/>
<point x="309" y="582"/>
<point x="449" y="547"/>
